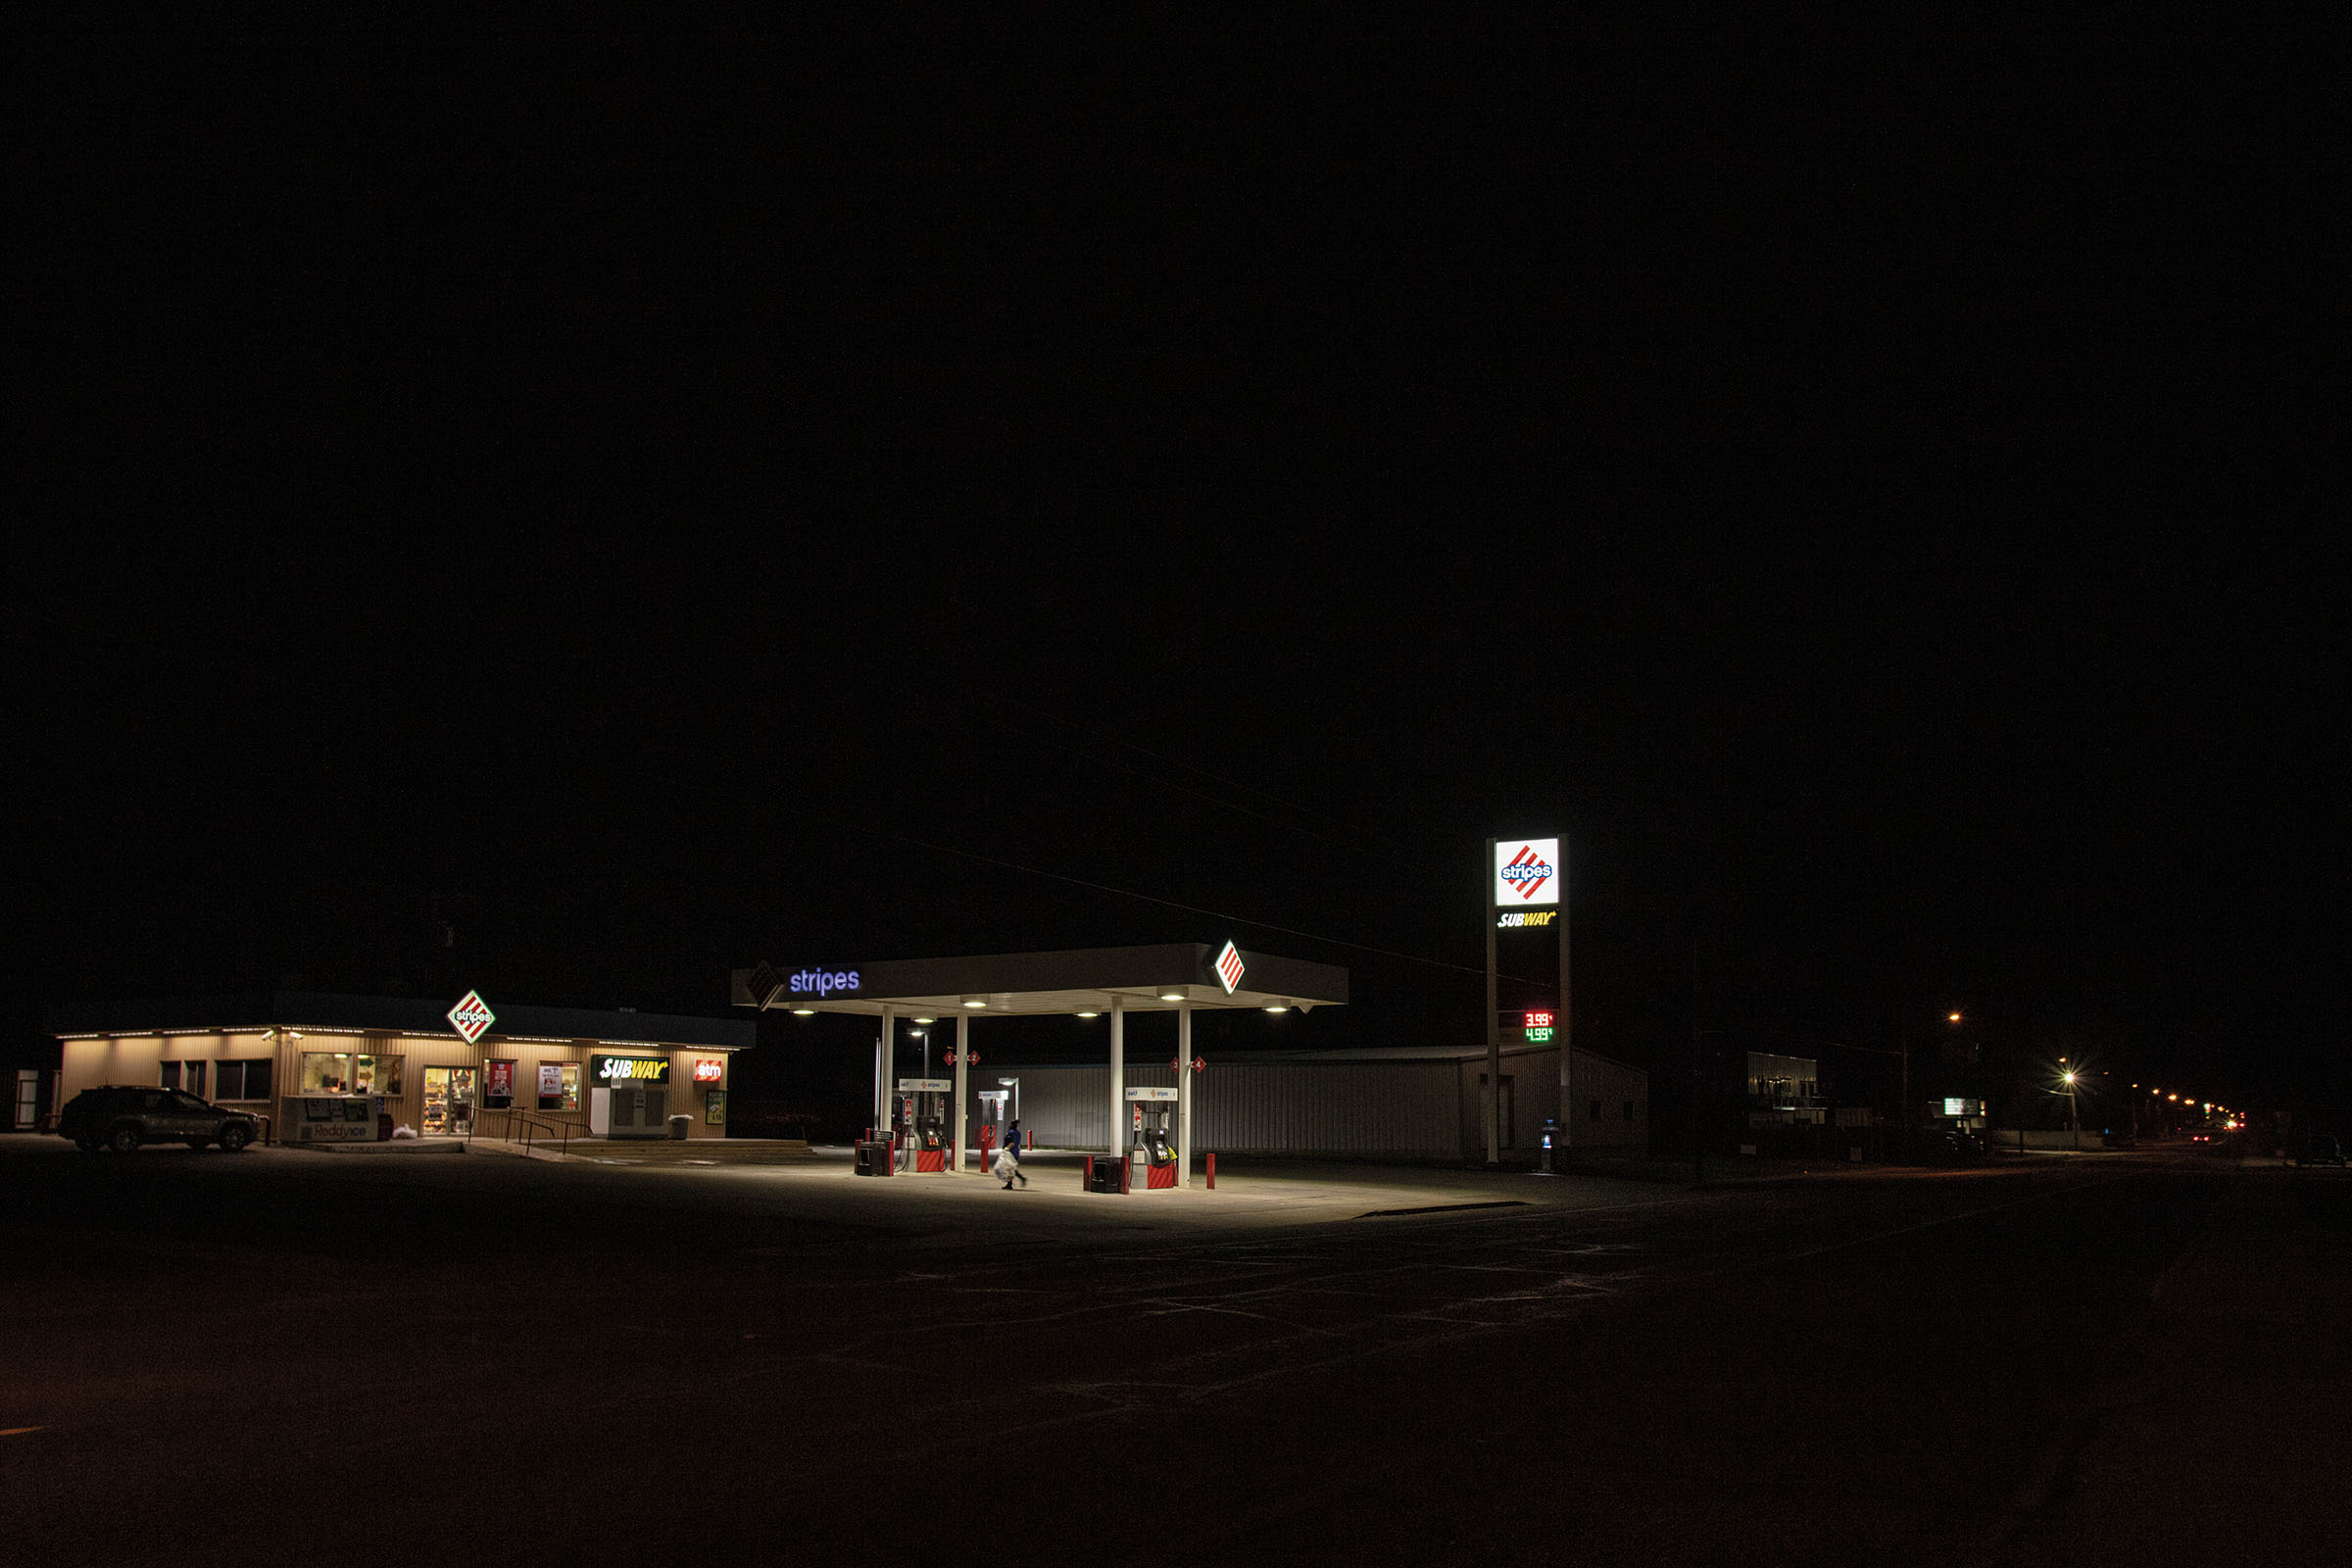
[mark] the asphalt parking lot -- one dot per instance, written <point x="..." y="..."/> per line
<point x="1971" y="1365"/>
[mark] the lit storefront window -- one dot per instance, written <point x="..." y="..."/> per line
<point x="325" y="1072"/>
<point x="342" y="1072"/>
<point x="376" y="1075"/>
<point x="559" y="1086"/>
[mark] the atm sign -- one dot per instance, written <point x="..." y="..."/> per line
<point x="706" y="1071"/>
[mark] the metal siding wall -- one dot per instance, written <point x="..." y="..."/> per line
<point x="1535" y="1095"/>
<point x="1469" y="1105"/>
<point x="1612" y="1083"/>
<point x="1423" y="1108"/>
<point x="1403" y="1107"/>
<point x="1069" y="1108"/>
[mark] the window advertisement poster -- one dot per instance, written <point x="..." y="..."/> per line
<point x="498" y="1085"/>
<point x="1527" y="873"/>
<point x="551" y="1086"/>
<point x="714" y="1108"/>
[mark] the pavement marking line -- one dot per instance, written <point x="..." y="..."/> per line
<point x="18" y="1432"/>
<point x="1445" y="1209"/>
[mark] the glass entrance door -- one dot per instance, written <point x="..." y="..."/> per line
<point x="449" y="1101"/>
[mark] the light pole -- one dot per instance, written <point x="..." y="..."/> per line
<point x="1902" y="1108"/>
<point x="2073" y="1113"/>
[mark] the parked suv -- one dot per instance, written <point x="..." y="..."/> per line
<point x="122" y="1119"/>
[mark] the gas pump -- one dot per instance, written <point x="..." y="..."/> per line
<point x="993" y="1116"/>
<point x="1151" y="1137"/>
<point x="923" y="1123"/>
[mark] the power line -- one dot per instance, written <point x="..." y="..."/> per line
<point x="1171" y="903"/>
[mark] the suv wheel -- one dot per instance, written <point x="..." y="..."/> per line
<point x="234" y="1136"/>
<point x="125" y="1140"/>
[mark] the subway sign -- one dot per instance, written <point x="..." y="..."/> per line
<point x="610" y="1070"/>
<point x="1525" y="919"/>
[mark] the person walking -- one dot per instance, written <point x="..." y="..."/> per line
<point x="1008" y="1157"/>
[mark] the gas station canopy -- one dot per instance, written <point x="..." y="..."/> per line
<point x="1081" y="980"/>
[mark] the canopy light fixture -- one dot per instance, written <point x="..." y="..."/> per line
<point x="975" y="1002"/>
<point x="1278" y="1006"/>
<point x="803" y="1013"/>
<point x="1090" y="1016"/>
<point x="1171" y="996"/>
<point x="926" y="1021"/>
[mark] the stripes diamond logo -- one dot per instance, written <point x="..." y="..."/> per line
<point x="471" y="1018"/>
<point x="1229" y="968"/>
<point x="1527" y="873"/>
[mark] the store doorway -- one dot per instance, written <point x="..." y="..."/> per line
<point x="449" y="1101"/>
<point x="639" y="1111"/>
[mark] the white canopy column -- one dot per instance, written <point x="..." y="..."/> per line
<point x="883" y="1088"/>
<point x="1184" y="1095"/>
<point x="1118" y="1076"/>
<point x="963" y="1054"/>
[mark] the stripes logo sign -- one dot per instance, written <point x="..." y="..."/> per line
<point x="1229" y="968"/>
<point x="1523" y="871"/>
<point x="471" y="1017"/>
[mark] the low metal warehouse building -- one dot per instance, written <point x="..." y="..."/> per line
<point x="1417" y="1101"/>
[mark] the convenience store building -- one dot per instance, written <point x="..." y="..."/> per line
<point x="330" y="1068"/>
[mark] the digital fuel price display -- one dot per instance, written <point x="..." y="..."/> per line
<point x="1538" y="1025"/>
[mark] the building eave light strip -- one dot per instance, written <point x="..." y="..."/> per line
<point x="344" y="1031"/>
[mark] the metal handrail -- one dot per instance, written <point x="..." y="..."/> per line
<point x="534" y="1127"/>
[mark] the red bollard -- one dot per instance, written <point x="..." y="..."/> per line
<point x="1126" y="1171"/>
<point x="1212" y="1173"/>
<point x="1086" y="1178"/>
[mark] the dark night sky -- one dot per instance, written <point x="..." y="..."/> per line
<point x="655" y="504"/>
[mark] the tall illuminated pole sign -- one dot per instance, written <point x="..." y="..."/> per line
<point x="1527" y="882"/>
